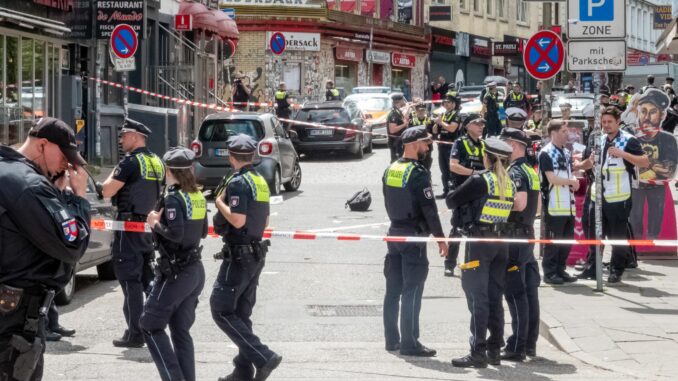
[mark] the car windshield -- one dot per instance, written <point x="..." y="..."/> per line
<point x="373" y="104"/>
<point x="333" y="115"/>
<point x="221" y="130"/>
<point x="577" y="103"/>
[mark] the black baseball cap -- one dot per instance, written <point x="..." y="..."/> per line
<point x="56" y="131"/>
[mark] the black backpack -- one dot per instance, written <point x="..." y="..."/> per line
<point x="360" y="202"/>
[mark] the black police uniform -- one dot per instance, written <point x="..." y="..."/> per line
<point x="180" y="277"/>
<point x="445" y="148"/>
<point x="244" y="252"/>
<point x="428" y="123"/>
<point x="470" y="153"/>
<point x="44" y="232"/>
<point x="517" y="100"/>
<point x="283" y="110"/>
<point x="332" y="95"/>
<point x="483" y="214"/>
<point x="412" y="210"/>
<point x="493" y="126"/>
<point x="522" y="276"/>
<point x="395" y="145"/>
<point x="143" y="174"/>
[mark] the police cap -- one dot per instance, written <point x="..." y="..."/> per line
<point x="451" y="98"/>
<point x="630" y="87"/>
<point x="420" y="106"/>
<point x="492" y="84"/>
<point x="650" y="76"/>
<point x="497" y="147"/>
<point x="57" y="132"/>
<point x="415" y="134"/>
<point x="669" y="79"/>
<point x="131" y="125"/>
<point x="655" y="96"/>
<point x="515" y="134"/>
<point x="397" y="96"/>
<point x="516" y="114"/>
<point x="179" y="158"/>
<point x="242" y="143"/>
<point x="473" y="118"/>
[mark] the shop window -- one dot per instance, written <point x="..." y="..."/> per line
<point x="38" y="88"/>
<point x="398" y="77"/>
<point x="344" y="77"/>
<point x="405" y="11"/>
<point x="292" y="77"/>
<point x="11" y="108"/>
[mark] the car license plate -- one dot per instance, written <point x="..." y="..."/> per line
<point x="320" y="132"/>
<point x="220" y="152"/>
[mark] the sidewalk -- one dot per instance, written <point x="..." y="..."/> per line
<point x="631" y="327"/>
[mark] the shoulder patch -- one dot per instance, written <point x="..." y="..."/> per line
<point x="428" y="193"/>
<point x="70" y="229"/>
<point x="234" y="201"/>
<point x="117" y="171"/>
<point x="171" y="214"/>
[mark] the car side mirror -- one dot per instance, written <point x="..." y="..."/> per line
<point x="292" y="135"/>
<point x="99" y="189"/>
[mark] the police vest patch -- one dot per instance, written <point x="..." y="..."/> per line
<point x="235" y="201"/>
<point x="117" y="171"/>
<point x="171" y="214"/>
<point x="70" y="228"/>
<point x="428" y="193"/>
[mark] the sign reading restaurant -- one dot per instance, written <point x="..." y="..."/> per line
<point x="110" y="14"/>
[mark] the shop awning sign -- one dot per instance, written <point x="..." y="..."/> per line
<point x="349" y="54"/>
<point x="544" y="55"/>
<point x="506" y="48"/>
<point x="124" y="41"/>
<point x="378" y="57"/>
<point x="403" y="60"/>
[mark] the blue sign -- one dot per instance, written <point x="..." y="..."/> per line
<point x="230" y="12"/>
<point x="124" y="41"/>
<point x="278" y="43"/>
<point x="596" y="10"/>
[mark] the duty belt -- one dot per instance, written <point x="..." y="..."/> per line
<point x="485" y="230"/>
<point x="131" y="217"/>
<point x="254" y="252"/>
<point x="171" y="267"/>
<point x="519" y="230"/>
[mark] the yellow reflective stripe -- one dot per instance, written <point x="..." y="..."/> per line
<point x="447" y="119"/>
<point x="259" y="186"/>
<point x="513" y="268"/>
<point x="335" y="92"/>
<point x="151" y="167"/>
<point x="398" y="174"/>
<point x="532" y="176"/>
<point x="196" y="207"/>
<point x="280" y="95"/>
<point x="496" y="210"/>
<point x="470" y="265"/>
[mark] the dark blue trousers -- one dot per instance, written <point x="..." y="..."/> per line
<point x="131" y="252"/>
<point x="444" y="151"/>
<point x="405" y="269"/>
<point x="173" y="302"/>
<point x="522" y="297"/>
<point x="232" y="301"/>
<point x="483" y="284"/>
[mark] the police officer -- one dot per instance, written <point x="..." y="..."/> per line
<point x="485" y="201"/>
<point x="447" y="129"/>
<point x="517" y="98"/>
<point x="419" y="118"/>
<point x="650" y="84"/>
<point x="178" y="226"/>
<point x="412" y="210"/>
<point x="516" y="117"/>
<point x="522" y="276"/>
<point x="535" y="121"/>
<point x="620" y="154"/>
<point x="466" y="159"/>
<point x="331" y="94"/>
<point x="491" y="105"/>
<point x="282" y="102"/>
<point x="557" y="187"/>
<point x="397" y="121"/>
<point x="243" y="215"/>
<point x="135" y="187"/>
<point x="44" y="225"/>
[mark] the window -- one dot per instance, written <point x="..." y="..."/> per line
<point x="292" y="76"/>
<point x="344" y="77"/>
<point x="437" y="2"/>
<point x="463" y="5"/>
<point x="221" y="130"/>
<point x="489" y="7"/>
<point x="521" y="11"/>
<point x="476" y="6"/>
<point x="501" y="9"/>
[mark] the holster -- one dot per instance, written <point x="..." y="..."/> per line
<point x="131" y="217"/>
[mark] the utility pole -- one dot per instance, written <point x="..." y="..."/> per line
<point x="546" y="109"/>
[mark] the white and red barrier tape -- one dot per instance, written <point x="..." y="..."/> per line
<point x="657" y="182"/>
<point x="142" y="227"/>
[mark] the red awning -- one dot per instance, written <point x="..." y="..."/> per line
<point x="209" y="20"/>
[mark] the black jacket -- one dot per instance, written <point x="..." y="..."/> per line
<point x="43" y="231"/>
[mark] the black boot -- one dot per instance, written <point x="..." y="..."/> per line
<point x="513" y="356"/>
<point x="267" y="369"/>
<point x="493" y="357"/>
<point x="472" y="360"/>
<point x="127" y="341"/>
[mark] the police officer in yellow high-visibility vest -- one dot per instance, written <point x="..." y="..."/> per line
<point x="412" y="210"/>
<point x="135" y="185"/>
<point x="486" y="199"/>
<point x="282" y="102"/>
<point x="620" y="154"/>
<point x="331" y="94"/>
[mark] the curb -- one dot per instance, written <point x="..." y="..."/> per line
<point x="553" y="331"/>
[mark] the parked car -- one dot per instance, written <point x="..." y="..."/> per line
<point x="335" y="114"/>
<point x="375" y="109"/>
<point x="276" y="159"/>
<point x="99" y="249"/>
<point x="578" y="102"/>
<point x="371" y="90"/>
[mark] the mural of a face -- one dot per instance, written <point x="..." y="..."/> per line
<point x="650" y="118"/>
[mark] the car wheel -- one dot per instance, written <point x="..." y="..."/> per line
<point x="368" y="149"/>
<point x="66" y="295"/>
<point x="275" y="185"/>
<point x="106" y="271"/>
<point x="295" y="182"/>
<point x="360" y="153"/>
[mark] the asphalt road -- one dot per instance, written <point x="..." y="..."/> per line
<point x="319" y="303"/>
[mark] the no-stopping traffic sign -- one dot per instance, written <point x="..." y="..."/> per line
<point x="124" y="41"/>
<point x="543" y="55"/>
<point x="278" y="43"/>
